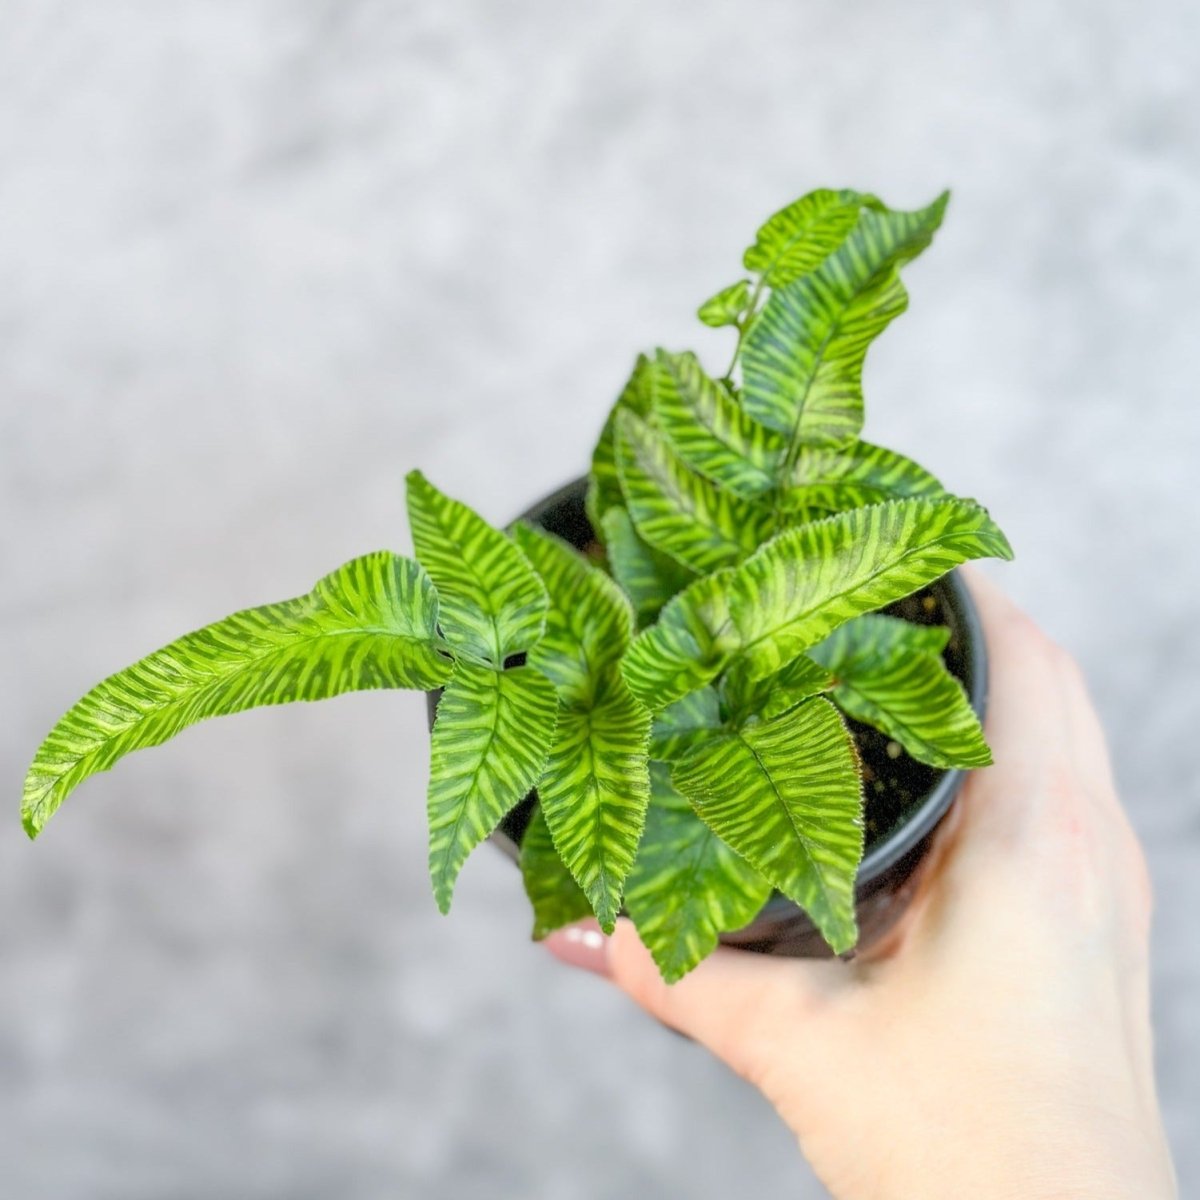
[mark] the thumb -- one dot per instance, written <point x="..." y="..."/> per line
<point x="739" y="1005"/>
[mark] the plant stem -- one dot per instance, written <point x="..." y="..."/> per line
<point x="743" y="326"/>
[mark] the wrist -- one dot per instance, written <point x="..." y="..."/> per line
<point x="1050" y="1162"/>
<point x="987" y="1150"/>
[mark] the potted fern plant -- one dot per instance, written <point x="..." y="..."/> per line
<point x="692" y="687"/>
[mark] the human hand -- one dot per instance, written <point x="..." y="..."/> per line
<point x="998" y="1043"/>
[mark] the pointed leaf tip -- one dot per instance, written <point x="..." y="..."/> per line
<point x="803" y="355"/>
<point x="786" y="795"/>
<point x="595" y="790"/>
<point x="799" y="587"/>
<point x="491" y="736"/>
<point x="797" y="238"/>
<point x="727" y="306"/>
<point x="30" y="824"/>
<point x="372" y="623"/>
<point x="687" y="887"/>
<point x="891" y="676"/>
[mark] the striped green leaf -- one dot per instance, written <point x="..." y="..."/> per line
<point x="727" y="306"/>
<point x="647" y="576"/>
<point x="711" y="433"/>
<point x="800" y="587"/>
<point x="604" y="483"/>
<point x="678" y="511"/>
<point x="589" y="622"/>
<point x="803" y="354"/>
<point x="745" y="698"/>
<point x="595" y="790"/>
<point x="891" y="676"/>
<point x="831" y="479"/>
<point x="875" y="636"/>
<point x="556" y="898"/>
<point x="785" y="794"/>
<point x="491" y="737"/>
<point x="687" y="887"/>
<point x="801" y="236"/>
<point x="493" y="604"/>
<point x="370" y="624"/>
<point x="595" y="787"/>
<point x="679" y="725"/>
<point x="686" y="648"/>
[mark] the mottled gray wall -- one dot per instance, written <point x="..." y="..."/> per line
<point x="256" y="260"/>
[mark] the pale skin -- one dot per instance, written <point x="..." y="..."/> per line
<point x="998" y="1044"/>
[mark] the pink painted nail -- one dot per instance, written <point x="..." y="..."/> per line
<point x="580" y="945"/>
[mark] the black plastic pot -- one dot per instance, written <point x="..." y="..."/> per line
<point x="888" y="873"/>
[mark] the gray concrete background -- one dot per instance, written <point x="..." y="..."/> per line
<point x="259" y="258"/>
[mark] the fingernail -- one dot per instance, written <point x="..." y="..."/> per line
<point x="580" y="945"/>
